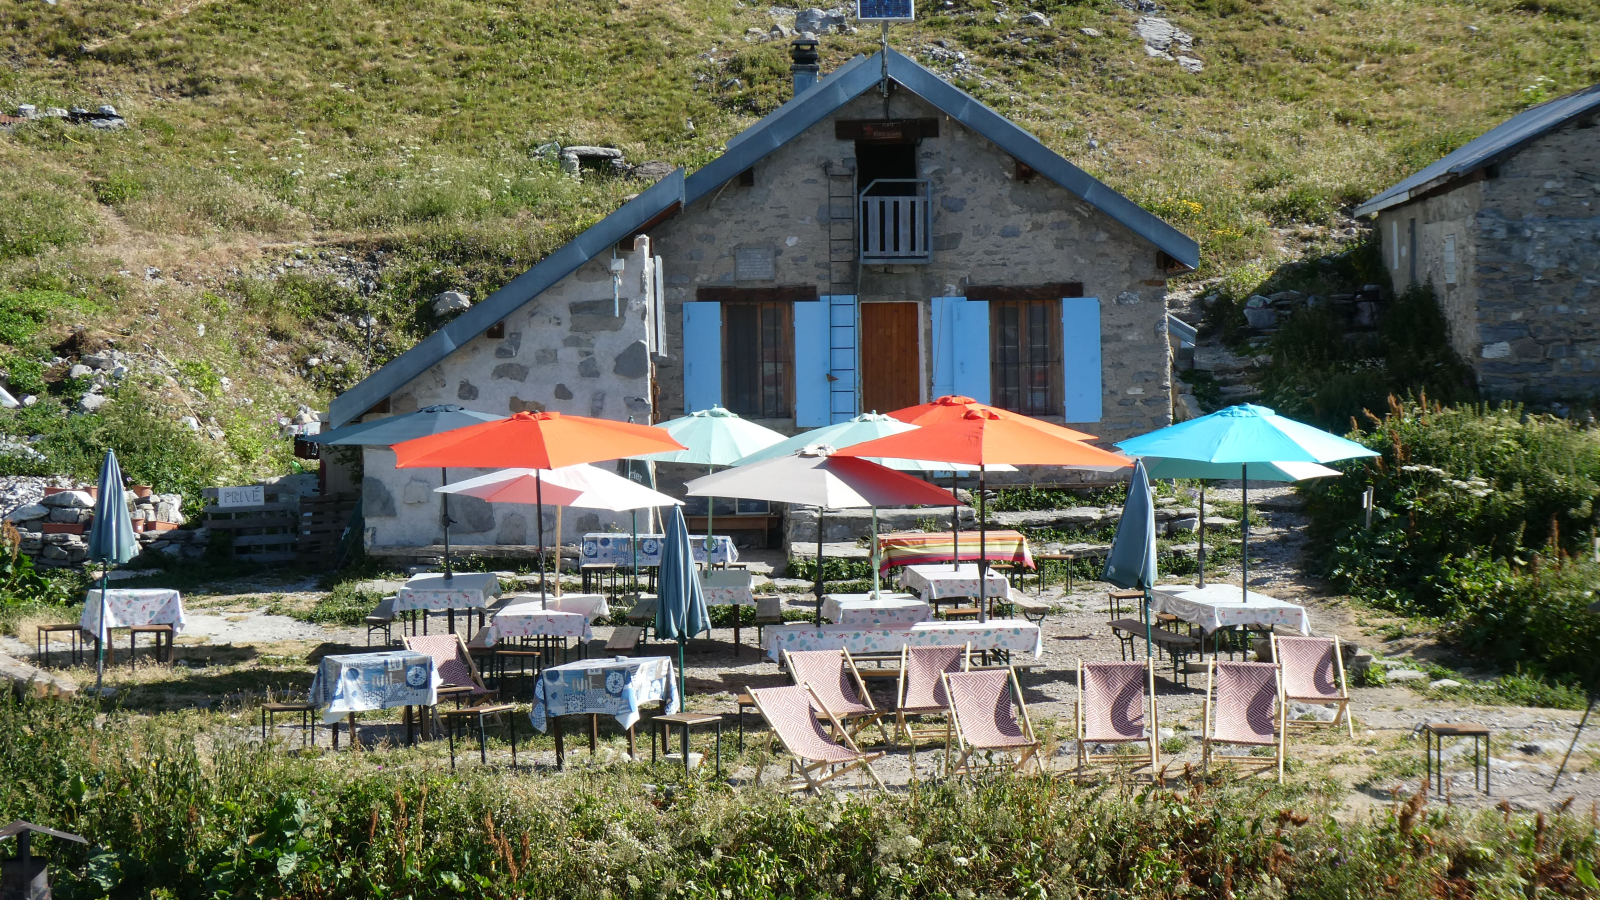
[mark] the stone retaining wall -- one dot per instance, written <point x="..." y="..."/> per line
<point x="55" y="530"/>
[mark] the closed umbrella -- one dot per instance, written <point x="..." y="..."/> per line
<point x="1245" y="435"/>
<point x="713" y="437"/>
<point x="111" y="542"/>
<point x="391" y="430"/>
<point x="815" y="476"/>
<point x="543" y="440"/>
<point x="681" y="607"/>
<point x="1132" y="560"/>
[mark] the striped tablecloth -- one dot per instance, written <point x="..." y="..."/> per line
<point x="911" y="547"/>
<point x="1012" y="635"/>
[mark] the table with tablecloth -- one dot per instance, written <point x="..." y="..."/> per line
<point x="943" y="582"/>
<point x="616" y="549"/>
<point x="127" y="607"/>
<point x="618" y="687"/>
<point x="529" y="620"/>
<point x="1010" y="635"/>
<point x="908" y="548"/>
<point x="727" y="587"/>
<point x="591" y="606"/>
<point x="464" y="590"/>
<point x="1221" y="606"/>
<point x="886" y="610"/>
<point x="356" y="682"/>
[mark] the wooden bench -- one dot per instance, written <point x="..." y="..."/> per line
<point x="1126" y="631"/>
<point x="625" y="640"/>
<point x="1032" y="610"/>
<point x="960" y="612"/>
<point x="1178" y="647"/>
<point x="760" y="525"/>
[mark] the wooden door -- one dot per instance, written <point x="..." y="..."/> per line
<point x="891" y="366"/>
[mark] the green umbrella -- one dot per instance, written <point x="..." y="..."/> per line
<point x="111" y="542"/>
<point x="713" y="437"/>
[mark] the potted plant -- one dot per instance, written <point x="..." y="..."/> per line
<point x="142" y="490"/>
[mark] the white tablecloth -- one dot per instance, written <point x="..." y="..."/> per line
<point x="352" y="682"/>
<point x="465" y="590"/>
<point x="129" y="607"/>
<point x="1013" y="635"/>
<point x="531" y="621"/>
<point x="610" y="687"/>
<point x="606" y="547"/>
<point x="591" y="606"/>
<point x="940" y="582"/>
<point x="885" y="611"/>
<point x="1220" y="605"/>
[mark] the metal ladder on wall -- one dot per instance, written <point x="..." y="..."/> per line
<point x="844" y="279"/>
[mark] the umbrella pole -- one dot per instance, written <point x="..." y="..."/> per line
<point x="1244" y="544"/>
<point x="1200" y="557"/>
<point x="983" y="553"/>
<point x="558" y="552"/>
<point x="683" y="681"/>
<point x="633" y="550"/>
<point x="876" y="586"/>
<point x="822" y="512"/>
<point x="102" y="631"/>
<point x="711" y="512"/>
<point x="444" y="500"/>
<point x="538" y="494"/>
<point x="955" y="520"/>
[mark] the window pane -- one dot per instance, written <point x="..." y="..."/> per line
<point x="1025" y="365"/>
<point x="757" y="357"/>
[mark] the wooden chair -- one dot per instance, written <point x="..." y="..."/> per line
<point x="833" y="677"/>
<point x="1243" y="713"/>
<point x="988" y="713"/>
<point x="790" y="712"/>
<point x="381" y="619"/>
<point x="454" y="718"/>
<point x="921" y="691"/>
<point x="1117" y="705"/>
<point x="1313" y="672"/>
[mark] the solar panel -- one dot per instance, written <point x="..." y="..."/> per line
<point x="885" y="10"/>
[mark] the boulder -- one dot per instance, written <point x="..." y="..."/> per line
<point x="74" y="499"/>
<point x="818" y="22"/>
<point x="1036" y="18"/>
<point x="29" y="513"/>
<point x="89" y="403"/>
<point x="1399" y="675"/>
<point x="451" y="302"/>
<point x="1443" y="684"/>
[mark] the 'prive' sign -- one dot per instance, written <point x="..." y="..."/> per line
<point x="248" y="495"/>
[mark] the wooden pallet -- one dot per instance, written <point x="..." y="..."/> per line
<point x="266" y="533"/>
<point x="323" y="518"/>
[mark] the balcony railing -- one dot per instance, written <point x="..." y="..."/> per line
<point x="895" y="221"/>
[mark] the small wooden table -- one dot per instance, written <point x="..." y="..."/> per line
<point x="687" y="721"/>
<point x="1435" y="733"/>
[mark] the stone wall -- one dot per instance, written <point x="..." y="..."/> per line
<point x="989" y="229"/>
<point x="1526" y="312"/>
<point x="573" y="349"/>
<point x="55" y="530"/>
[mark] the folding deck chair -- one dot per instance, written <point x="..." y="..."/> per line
<point x="1313" y="672"/>
<point x="832" y="675"/>
<point x="921" y="692"/>
<point x="458" y="678"/>
<point x="790" y="712"/>
<point x="1117" y="705"/>
<point x="987" y="710"/>
<point x="1243" y="714"/>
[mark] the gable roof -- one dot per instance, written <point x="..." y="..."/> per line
<point x="599" y="238"/>
<point x="849" y="81"/>
<point x="863" y="73"/>
<point x="1489" y="148"/>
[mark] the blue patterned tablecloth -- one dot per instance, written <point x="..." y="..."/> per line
<point x="356" y="682"/>
<point x="606" y="547"/>
<point x="617" y="687"/>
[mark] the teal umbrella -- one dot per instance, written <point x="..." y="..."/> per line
<point x="1245" y="435"/>
<point x="1132" y="560"/>
<point x="713" y="437"/>
<point x="681" y="607"/>
<point x="111" y="542"/>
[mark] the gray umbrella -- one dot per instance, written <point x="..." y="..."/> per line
<point x="111" y="541"/>
<point x="391" y="430"/>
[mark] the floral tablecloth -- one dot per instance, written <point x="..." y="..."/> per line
<point x="885" y="611"/>
<point x="1012" y="635"/>
<point x="465" y="590"/>
<point x="128" y="607"/>
<point x="355" y="682"/>
<point x="1219" y="605"/>
<point x="936" y="582"/>
<point x="618" y="687"/>
<point x="529" y="621"/>
<point x="606" y="547"/>
<point x="727" y="587"/>
<point x="591" y="606"/>
<point x="909" y="548"/>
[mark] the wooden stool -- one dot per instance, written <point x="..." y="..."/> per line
<point x="308" y="724"/>
<point x="452" y="718"/>
<point x="159" y="632"/>
<point x="1435" y="733"/>
<point x="593" y="573"/>
<point x="960" y="612"/>
<point x="745" y="702"/>
<point x="687" y="721"/>
<point x="504" y="657"/>
<point x="75" y="636"/>
<point x="1116" y="598"/>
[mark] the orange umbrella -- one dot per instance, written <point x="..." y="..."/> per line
<point x="983" y="437"/>
<point x="542" y="440"/>
<point x="953" y="407"/>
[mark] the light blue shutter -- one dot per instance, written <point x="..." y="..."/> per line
<point x="841" y="356"/>
<point x="942" y="313"/>
<point x="810" y="364"/>
<point x="702" y="356"/>
<point x="970" y="333"/>
<point x="1080" y="358"/>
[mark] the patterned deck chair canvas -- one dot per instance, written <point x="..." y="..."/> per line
<point x="1116" y="706"/>
<point x="1245" y="711"/>
<point x="790" y="712"/>
<point x="986" y="707"/>
<point x="1313" y="672"/>
<point x="921" y="692"/>
<point x="458" y="674"/>
<point x="841" y="692"/>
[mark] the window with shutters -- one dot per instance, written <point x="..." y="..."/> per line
<point x="1025" y="356"/>
<point x="758" y="356"/>
<point x="1449" y="259"/>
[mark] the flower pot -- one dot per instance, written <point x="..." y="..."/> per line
<point x="142" y="490"/>
<point x="159" y="526"/>
<point x="55" y="490"/>
<point x="64" y="528"/>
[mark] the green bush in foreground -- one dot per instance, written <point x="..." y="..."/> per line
<point x="176" y="809"/>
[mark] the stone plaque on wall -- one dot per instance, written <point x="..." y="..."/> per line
<point x="755" y="264"/>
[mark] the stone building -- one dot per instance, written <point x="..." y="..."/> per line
<point x="879" y="240"/>
<point x="1507" y="229"/>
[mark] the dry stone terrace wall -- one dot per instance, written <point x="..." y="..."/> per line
<point x="988" y="229"/>
<point x="55" y="529"/>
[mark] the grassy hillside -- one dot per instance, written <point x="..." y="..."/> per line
<point x="300" y="177"/>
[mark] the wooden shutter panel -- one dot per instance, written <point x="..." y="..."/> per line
<point x="1080" y="359"/>
<point x="702" y="355"/>
<point x="811" y="392"/>
<point x="969" y="332"/>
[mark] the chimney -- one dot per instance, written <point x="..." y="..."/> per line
<point x="807" y="64"/>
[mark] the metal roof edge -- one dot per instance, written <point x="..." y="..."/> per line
<point x="783" y="110"/>
<point x="1020" y="144"/>
<point x="497" y="306"/>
